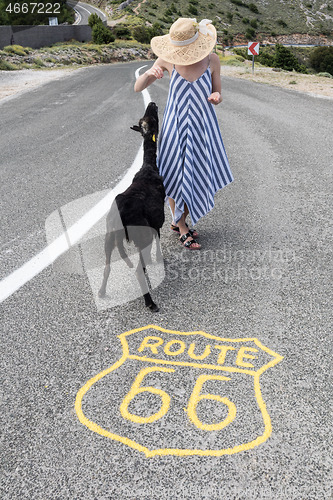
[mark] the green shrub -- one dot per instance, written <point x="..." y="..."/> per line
<point x="193" y="10"/>
<point x="232" y="61"/>
<point x="321" y="59"/>
<point x="122" y="32"/>
<point x="285" y="59"/>
<point x="16" y="49"/>
<point x="7" y="66"/>
<point x="326" y="75"/>
<point x="38" y="63"/>
<point x="166" y="20"/>
<point x="250" y="33"/>
<point x="282" y="23"/>
<point x="253" y="8"/>
<point x="266" y="58"/>
<point x="94" y="19"/>
<point x="280" y="57"/>
<point x="239" y="3"/>
<point x="142" y="34"/>
<point x="101" y="34"/>
<point x="156" y="30"/>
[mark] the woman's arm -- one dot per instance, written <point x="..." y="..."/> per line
<point x="152" y="74"/>
<point x="215" y="66"/>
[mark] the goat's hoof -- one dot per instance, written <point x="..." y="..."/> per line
<point x="101" y="293"/>
<point x="153" y="307"/>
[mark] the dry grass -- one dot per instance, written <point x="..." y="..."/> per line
<point x="310" y="84"/>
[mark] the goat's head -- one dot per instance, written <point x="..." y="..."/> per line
<point x="148" y="124"/>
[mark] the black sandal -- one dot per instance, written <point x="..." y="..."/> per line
<point x="192" y="232"/>
<point x="188" y="244"/>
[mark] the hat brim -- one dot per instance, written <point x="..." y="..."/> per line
<point x="186" y="54"/>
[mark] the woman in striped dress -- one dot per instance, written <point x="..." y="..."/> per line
<point x="191" y="156"/>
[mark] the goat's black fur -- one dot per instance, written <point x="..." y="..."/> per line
<point x="140" y="207"/>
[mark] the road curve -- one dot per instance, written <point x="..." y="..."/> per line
<point x="84" y="10"/>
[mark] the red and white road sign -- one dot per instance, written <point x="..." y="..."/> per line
<point x="253" y="48"/>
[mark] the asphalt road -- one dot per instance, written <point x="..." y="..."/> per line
<point x="84" y="10"/>
<point x="256" y="421"/>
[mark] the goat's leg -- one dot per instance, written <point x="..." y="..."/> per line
<point x="109" y="245"/>
<point x="120" y="245"/>
<point x="140" y="274"/>
<point x="159" y="256"/>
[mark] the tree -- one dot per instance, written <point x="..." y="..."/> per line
<point x="122" y="31"/>
<point x="101" y="34"/>
<point x="250" y="34"/>
<point x="321" y="59"/>
<point x="142" y="33"/>
<point x="285" y="59"/>
<point x="94" y="19"/>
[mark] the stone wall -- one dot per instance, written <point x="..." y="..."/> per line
<point x="42" y="36"/>
<point x="125" y="4"/>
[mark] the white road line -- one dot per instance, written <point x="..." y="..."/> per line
<point x="43" y="259"/>
<point x="88" y="11"/>
<point x="78" y="20"/>
<point x="93" y="9"/>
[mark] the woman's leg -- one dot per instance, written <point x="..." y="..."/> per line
<point x="183" y="228"/>
<point x="172" y="206"/>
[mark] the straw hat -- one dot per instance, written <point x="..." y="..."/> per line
<point x="187" y="41"/>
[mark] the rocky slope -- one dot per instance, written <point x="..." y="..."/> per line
<point x="16" y="57"/>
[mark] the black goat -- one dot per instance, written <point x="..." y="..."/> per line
<point x="139" y="209"/>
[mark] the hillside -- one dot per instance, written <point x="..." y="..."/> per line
<point x="238" y="20"/>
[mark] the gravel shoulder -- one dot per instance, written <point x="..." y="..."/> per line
<point x="14" y="83"/>
<point x="314" y="85"/>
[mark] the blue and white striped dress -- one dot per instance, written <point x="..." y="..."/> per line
<point x="191" y="156"/>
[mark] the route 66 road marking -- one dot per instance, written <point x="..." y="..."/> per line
<point x="181" y="393"/>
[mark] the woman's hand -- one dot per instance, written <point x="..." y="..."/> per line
<point x="155" y="71"/>
<point x="215" y="98"/>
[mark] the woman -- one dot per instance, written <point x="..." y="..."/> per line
<point x="191" y="157"/>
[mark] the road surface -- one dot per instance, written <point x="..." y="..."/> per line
<point x="84" y="10"/>
<point x="238" y="407"/>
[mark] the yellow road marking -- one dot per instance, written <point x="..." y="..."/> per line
<point x="196" y="396"/>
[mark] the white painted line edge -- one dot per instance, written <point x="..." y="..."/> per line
<point x="19" y="277"/>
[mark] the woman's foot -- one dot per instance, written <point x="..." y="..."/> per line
<point x="188" y="242"/>
<point x="192" y="232"/>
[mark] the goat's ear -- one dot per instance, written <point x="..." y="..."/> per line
<point x="136" y="128"/>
